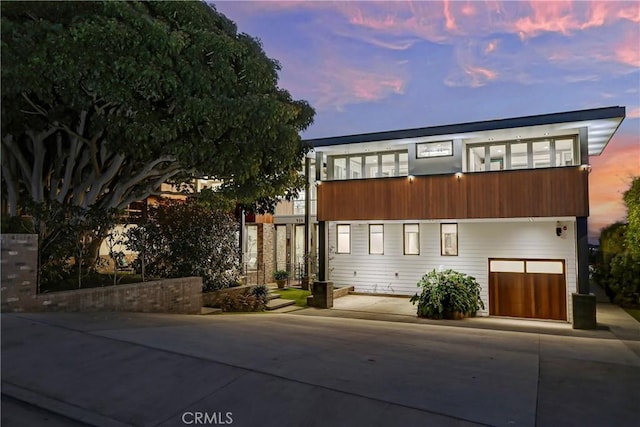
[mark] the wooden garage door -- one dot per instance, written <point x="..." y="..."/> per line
<point x="528" y="288"/>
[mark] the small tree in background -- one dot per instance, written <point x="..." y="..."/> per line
<point x="618" y="268"/>
<point x="188" y="239"/>
<point x="632" y="201"/>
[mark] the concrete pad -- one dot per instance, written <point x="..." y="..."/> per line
<point x="608" y="350"/>
<point x="275" y="304"/>
<point x="128" y="383"/>
<point x="585" y="393"/>
<point x="108" y="320"/>
<point x="16" y="413"/>
<point x="428" y="374"/>
<point x="288" y="369"/>
<point x="280" y="402"/>
<point x="377" y="304"/>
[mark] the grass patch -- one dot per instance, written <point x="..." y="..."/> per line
<point x="298" y="295"/>
<point x="635" y="312"/>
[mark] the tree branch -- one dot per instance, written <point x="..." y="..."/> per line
<point x="39" y="110"/>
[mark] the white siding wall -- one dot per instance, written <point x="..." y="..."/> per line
<point x="395" y="273"/>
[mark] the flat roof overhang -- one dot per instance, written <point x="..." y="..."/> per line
<point x="601" y="123"/>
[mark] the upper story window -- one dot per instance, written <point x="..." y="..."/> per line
<point x="434" y="149"/>
<point x="538" y="153"/>
<point x="368" y="165"/>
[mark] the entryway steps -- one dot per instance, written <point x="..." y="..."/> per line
<point x="276" y="303"/>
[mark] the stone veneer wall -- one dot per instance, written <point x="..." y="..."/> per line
<point x="19" y="261"/>
<point x="268" y="250"/>
<point x="19" y="291"/>
<point x="266" y="262"/>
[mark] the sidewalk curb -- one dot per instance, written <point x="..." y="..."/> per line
<point x="65" y="409"/>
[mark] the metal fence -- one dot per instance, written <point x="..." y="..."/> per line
<point x="260" y="274"/>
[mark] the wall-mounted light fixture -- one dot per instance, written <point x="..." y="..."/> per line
<point x="318" y="183"/>
<point x="411" y="177"/>
<point x="586" y="168"/>
<point x="459" y="175"/>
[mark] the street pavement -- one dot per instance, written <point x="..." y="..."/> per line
<point x="305" y="369"/>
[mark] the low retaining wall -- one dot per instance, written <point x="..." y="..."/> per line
<point x="19" y="292"/>
<point x="179" y="296"/>
<point x="342" y="292"/>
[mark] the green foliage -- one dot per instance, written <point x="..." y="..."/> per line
<point x="67" y="239"/>
<point x="280" y="275"/>
<point x="16" y="225"/>
<point x="188" y="239"/>
<point x="447" y="292"/>
<point x="298" y="295"/>
<point x="624" y="279"/>
<point x="618" y="263"/>
<point x="632" y="201"/>
<point x="131" y="94"/>
<point x="260" y="292"/>
<point x="612" y="243"/>
<point x="245" y="301"/>
<point x="102" y="102"/>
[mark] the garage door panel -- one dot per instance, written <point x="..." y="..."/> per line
<point x="533" y="294"/>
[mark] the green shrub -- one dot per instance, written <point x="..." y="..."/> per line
<point x="16" y="225"/>
<point x="624" y="279"/>
<point x="260" y="291"/>
<point x="187" y="239"/>
<point x="280" y="275"/>
<point x="245" y="301"/>
<point x="445" y="293"/>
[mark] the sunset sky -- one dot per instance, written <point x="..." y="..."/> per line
<point x="376" y="66"/>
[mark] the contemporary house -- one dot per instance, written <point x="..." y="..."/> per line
<point x="505" y="201"/>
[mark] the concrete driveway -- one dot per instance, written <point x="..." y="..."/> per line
<point x="308" y="370"/>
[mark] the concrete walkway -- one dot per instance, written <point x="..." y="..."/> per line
<point x="308" y="370"/>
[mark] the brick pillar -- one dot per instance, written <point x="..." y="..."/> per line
<point x="19" y="271"/>
<point x="268" y="250"/>
<point x="322" y="295"/>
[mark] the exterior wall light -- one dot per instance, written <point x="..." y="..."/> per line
<point x="586" y="168"/>
<point x="459" y="175"/>
<point x="411" y="177"/>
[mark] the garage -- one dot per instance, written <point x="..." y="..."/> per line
<point x="532" y="288"/>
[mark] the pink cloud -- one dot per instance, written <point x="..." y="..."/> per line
<point x="630" y="11"/>
<point x="634" y="113"/>
<point x="480" y="76"/>
<point x="340" y="86"/>
<point x="551" y="16"/>
<point x="491" y="46"/>
<point x="610" y="177"/>
<point x="628" y="51"/>
<point x="450" y="22"/>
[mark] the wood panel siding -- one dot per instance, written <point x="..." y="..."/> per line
<point x="503" y="194"/>
<point x="531" y="295"/>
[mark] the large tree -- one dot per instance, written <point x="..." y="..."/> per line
<point x="104" y="101"/>
<point x="632" y="201"/>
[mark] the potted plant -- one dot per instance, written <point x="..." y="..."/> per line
<point x="447" y="294"/>
<point x="280" y="276"/>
